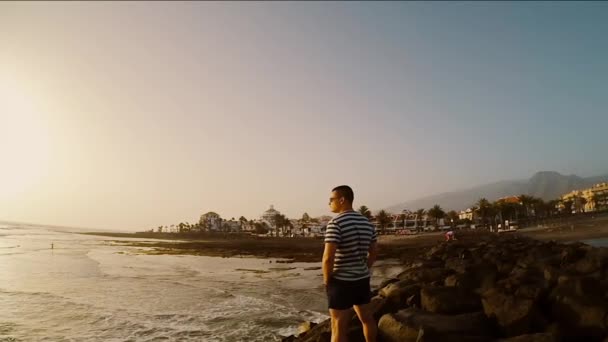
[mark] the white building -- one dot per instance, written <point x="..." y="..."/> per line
<point x="268" y="216"/>
<point x="211" y="221"/>
<point x="468" y="214"/>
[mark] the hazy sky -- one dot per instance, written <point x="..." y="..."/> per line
<point x="134" y="115"/>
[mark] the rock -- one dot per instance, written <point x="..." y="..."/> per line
<point x="378" y="306"/>
<point x="486" y="276"/>
<point x="593" y="261"/>
<point x="458" y="265"/>
<point x="425" y="263"/>
<point x="319" y="333"/>
<point x="410" y="324"/>
<point x="290" y="338"/>
<point x="581" y="317"/>
<point x="423" y="275"/>
<point x="581" y="286"/>
<point x="436" y="251"/>
<point x="305" y="327"/>
<point x="452" y="280"/>
<point x="505" y="267"/>
<point x="387" y="282"/>
<point x="387" y="290"/>
<point x="413" y="300"/>
<point x="465" y="254"/>
<point x="551" y="275"/>
<point x="449" y="300"/>
<point x="397" y="293"/>
<point x="540" y="337"/>
<point x="572" y="253"/>
<point x="514" y="315"/>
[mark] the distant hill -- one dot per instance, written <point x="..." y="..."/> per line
<point x="545" y="184"/>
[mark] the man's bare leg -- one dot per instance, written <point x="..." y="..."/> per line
<point x="339" y="324"/>
<point x="370" y="329"/>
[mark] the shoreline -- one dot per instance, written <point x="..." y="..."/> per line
<point x="311" y="249"/>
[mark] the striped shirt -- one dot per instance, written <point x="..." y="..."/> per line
<point x="353" y="233"/>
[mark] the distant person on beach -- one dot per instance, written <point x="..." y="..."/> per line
<point x="450" y="236"/>
<point x="350" y="252"/>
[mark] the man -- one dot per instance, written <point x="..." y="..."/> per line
<point x="350" y="252"/>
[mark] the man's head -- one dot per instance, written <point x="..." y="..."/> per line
<point x="341" y="199"/>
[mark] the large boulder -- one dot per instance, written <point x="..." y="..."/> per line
<point x="515" y="315"/>
<point x="584" y="317"/>
<point x="397" y="293"/>
<point x="582" y="286"/>
<point x="378" y="306"/>
<point x="458" y="265"/>
<point x="319" y="333"/>
<point x="417" y="325"/>
<point x="594" y="260"/>
<point x="423" y="275"/>
<point x="305" y="327"/>
<point x="478" y="277"/>
<point x="449" y="300"/>
<point x="573" y="252"/>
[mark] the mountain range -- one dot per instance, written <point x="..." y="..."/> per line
<point x="545" y="184"/>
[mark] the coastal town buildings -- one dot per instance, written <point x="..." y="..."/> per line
<point x="587" y="200"/>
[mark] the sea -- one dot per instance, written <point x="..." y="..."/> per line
<point x="597" y="242"/>
<point x="95" y="288"/>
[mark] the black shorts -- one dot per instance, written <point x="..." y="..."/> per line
<point x="342" y="294"/>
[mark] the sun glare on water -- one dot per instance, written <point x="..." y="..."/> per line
<point x="25" y="150"/>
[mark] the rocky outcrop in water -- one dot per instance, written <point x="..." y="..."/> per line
<point x="506" y="288"/>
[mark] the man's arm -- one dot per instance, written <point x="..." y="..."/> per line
<point x="372" y="254"/>
<point x="329" y="255"/>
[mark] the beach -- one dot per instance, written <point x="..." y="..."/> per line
<point x="311" y="249"/>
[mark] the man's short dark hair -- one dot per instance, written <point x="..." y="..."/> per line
<point x="345" y="191"/>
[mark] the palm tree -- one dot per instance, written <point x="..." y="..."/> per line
<point x="539" y="206"/>
<point x="483" y="209"/>
<point x="598" y="201"/>
<point x="260" y="228"/>
<point x="288" y="225"/>
<point x="363" y="210"/>
<point x="242" y="221"/>
<point x="383" y="219"/>
<point x="582" y="202"/>
<point x="419" y="216"/>
<point x="551" y="206"/>
<point x="568" y="206"/>
<point x="305" y="217"/>
<point x="278" y="222"/>
<point x="436" y="212"/>
<point x="453" y="216"/>
<point x="526" y="201"/>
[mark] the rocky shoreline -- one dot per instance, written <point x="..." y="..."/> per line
<point x="491" y="288"/>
